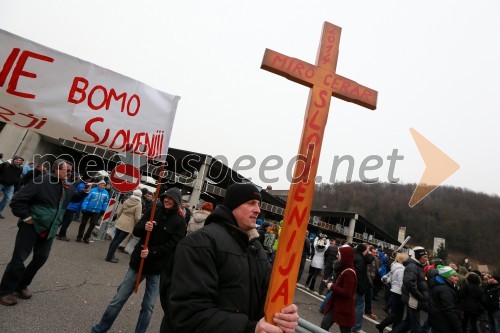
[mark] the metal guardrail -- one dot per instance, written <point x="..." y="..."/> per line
<point x="307" y="327"/>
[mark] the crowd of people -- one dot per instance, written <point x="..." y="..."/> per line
<point x="222" y="249"/>
<point x="203" y="264"/>
<point x="446" y="298"/>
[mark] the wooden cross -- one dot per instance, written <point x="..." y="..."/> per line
<point x="324" y="82"/>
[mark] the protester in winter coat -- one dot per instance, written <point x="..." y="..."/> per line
<point x="492" y="303"/>
<point x="10" y="174"/>
<point x="40" y="208"/>
<point x="221" y="273"/>
<point x="93" y="207"/>
<point x="72" y="209"/>
<point x="32" y="174"/>
<point x="445" y="315"/>
<point x="165" y="231"/>
<point x="340" y="308"/>
<point x="271" y="236"/>
<point x="395" y="279"/>
<point x="198" y="218"/>
<point x="330" y="257"/>
<point x="415" y="292"/>
<point x="318" y="260"/>
<point x="129" y="213"/>
<point x="471" y="294"/>
<point x="361" y="261"/>
<point x="262" y="230"/>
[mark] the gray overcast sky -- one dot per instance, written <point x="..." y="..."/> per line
<point x="435" y="65"/>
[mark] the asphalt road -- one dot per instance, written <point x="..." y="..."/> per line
<point x="72" y="290"/>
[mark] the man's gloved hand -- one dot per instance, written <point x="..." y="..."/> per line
<point x="102" y="212"/>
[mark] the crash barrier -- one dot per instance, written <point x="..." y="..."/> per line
<point x="307" y="327"/>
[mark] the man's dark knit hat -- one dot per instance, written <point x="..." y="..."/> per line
<point x="239" y="193"/>
<point x="361" y="248"/>
<point x="419" y="252"/>
<point x="174" y="193"/>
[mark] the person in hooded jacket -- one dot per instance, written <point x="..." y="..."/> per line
<point x="471" y="293"/>
<point x="221" y="273"/>
<point x="446" y="315"/>
<point x="165" y="231"/>
<point x="198" y="217"/>
<point x="340" y="308"/>
<point x="129" y="213"/>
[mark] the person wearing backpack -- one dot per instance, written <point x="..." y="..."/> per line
<point x="272" y="234"/>
<point x="492" y="303"/>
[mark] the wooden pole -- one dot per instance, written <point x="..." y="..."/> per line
<point x="151" y="217"/>
<point x="324" y="83"/>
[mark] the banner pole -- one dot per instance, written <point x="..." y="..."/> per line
<point x="151" y="217"/>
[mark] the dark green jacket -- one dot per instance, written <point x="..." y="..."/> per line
<point x="44" y="200"/>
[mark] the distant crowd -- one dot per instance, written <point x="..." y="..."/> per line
<point x="449" y="298"/>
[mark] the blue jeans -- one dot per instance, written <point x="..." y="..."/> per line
<point x="120" y="235"/>
<point x="494" y="320"/>
<point x="360" y="310"/>
<point x="125" y="289"/>
<point x="325" y="301"/>
<point x="16" y="275"/>
<point x="8" y="192"/>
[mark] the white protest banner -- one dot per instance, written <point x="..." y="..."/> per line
<point x="61" y="96"/>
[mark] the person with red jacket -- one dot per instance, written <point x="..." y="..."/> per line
<point x="340" y="308"/>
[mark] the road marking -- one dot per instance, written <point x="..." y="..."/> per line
<point x="310" y="294"/>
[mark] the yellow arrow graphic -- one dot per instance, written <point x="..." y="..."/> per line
<point x="438" y="167"/>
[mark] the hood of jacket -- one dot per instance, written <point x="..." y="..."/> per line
<point x="396" y="266"/>
<point x="346" y="257"/>
<point x="131" y="202"/>
<point x="200" y="216"/>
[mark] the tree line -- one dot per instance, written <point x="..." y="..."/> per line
<point x="469" y="221"/>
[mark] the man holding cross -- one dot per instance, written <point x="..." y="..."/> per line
<point x="221" y="272"/>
